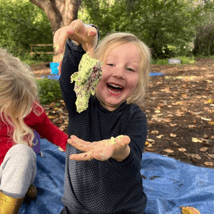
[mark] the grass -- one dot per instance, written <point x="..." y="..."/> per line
<point x="36" y="60"/>
<point x="184" y="60"/>
<point x="32" y="62"/>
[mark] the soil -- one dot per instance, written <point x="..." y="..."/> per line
<point x="179" y="108"/>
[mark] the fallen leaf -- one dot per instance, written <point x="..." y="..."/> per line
<point x="209" y="101"/>
<point x="191" y="126"/>
<point x="149" y="149"/>
<point x="206" y="136"/>
<point x="211" y="155"/>
<point x="209" y="81"/>
<point x="52" y="105"/>
<point x="208" y="163"/>
<point x="211" y="122"/>
<point x="173" y="124"/>
<point x="175" y="144"/>
<point x="206" y="119"/>
<point x="197" y="156"/>
<point x="150" y="140"/>
<point x="172" y="135"/>
<point x="167" y="120"/>
<point x="177" y="103"/>
<point x="167" y="90"/>
<point x="168" y="150"/>
<point x="196" y="140"/>
<point x="190" y="210"/>
<point x="182" y="149"/>
<point x="203" y="149"/>
<point x="195" y="121"/>
<point x="148" y="144"/>
<point x="159" y="136"/>
<point x="154" y="132"/>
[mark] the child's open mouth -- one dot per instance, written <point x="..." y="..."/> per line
<point x="114" y="88"/>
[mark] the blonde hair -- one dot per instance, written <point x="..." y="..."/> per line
<point x="18" y="92"/>
<point x="117" y="39"/>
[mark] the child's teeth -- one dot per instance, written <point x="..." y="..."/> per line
<point x="115" y="86"/>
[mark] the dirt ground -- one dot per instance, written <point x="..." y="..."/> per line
<point x="179" y="108"/>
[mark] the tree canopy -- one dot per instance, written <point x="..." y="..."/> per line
<point x="168" y="27"/>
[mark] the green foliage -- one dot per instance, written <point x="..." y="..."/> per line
<point x="49" y="90"/>
<point x="168" y="27"/>
<point x="159" y="62"/>
<point x="31" y="61"/>
<point x="159" y="23"/>
<point x="204" y="42"/>
<point x="184" y="60"/>
<point x="22" y="24"/>
<point x="41" y="57"/>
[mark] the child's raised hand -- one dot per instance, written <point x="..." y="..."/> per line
<point x="116" y="148"/>
<point x="80" y="33"/>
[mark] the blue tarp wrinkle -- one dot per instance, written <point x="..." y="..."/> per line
<point x="168" y="184"/>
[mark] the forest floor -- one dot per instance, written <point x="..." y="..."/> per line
<point x="179" y="108"/>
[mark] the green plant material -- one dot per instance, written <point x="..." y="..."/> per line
<point x="187" y="60"/>
<point x="184" y="60"/>
<point x="204" y="42"/>
<point x="159" y="62"/>
<point x="22" y="24"/>
<point x="31" y="62"/>
<point x="161" y="24"/>
<point x="86" y="79"/>
<point x="49" y="90"/>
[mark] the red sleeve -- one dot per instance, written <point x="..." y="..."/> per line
<point x="39" y="121"/>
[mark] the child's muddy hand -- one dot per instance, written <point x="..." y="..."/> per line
<point x="59" y="39"/>
<point x="99" y="150"/>
<point x="83" y="34"/>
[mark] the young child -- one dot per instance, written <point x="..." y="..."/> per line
<point x="20" y="114"/>
<point x="103" y="157"/>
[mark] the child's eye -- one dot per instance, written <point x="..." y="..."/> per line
<point x="109" y="64"/>
<point x="130" y="69"/>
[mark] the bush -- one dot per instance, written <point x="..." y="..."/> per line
<point x="22" y="23"/>
<point x="159" y="62"/>
<point x="204" y="41"/>
<point x="184" y="60"/>
<point x="49" y="90"/>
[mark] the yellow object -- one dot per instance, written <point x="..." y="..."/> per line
<point x="9" y="205"/>
<point x="86" y="79"/>
<point x="209" y="101"/>
<point x="56" y="46"/>
<point x="189" y="210"/>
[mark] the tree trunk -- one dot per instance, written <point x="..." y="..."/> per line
<point x="59" y="12"/>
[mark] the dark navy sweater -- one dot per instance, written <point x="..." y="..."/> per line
<point x="101" y="187"/>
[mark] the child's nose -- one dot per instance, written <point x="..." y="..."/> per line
<point x="119" y="72"/>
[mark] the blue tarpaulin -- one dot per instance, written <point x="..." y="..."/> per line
<point x="168" y="184"/>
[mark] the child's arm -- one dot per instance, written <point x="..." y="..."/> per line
<point x="132" y="148"/>
<point x="116" y="148"/>
<point x="81" y="34"/>
<point x="45" y="128"/>
<point x="86" y="37"/>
